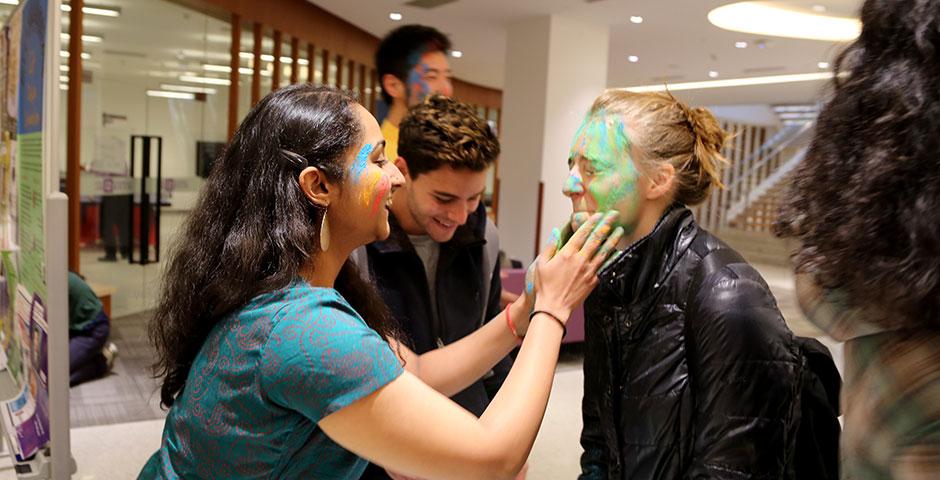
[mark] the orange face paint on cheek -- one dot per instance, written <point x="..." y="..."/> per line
<point x="384" y="186"/>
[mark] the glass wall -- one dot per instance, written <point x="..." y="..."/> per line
<point x="156" y="74"/>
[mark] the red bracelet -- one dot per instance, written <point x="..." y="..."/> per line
<point x="512" y="326"/>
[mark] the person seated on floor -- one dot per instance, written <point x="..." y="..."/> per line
<point x="689" y="368"/>
<point x="90" y="354"/>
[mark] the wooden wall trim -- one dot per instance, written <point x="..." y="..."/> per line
<point x="362" y="87"/>
<point x="372" y="92"/>
<point x="313" y="24"/>
<point x="276" y="78"/>
<point x="477" y="94"/>
<point x="312" y="66"/>
<point x="298" y="18"/>
<point x="233" y="75"/>
<point x="339" y="72"/>
<point x="258" y="37"/>
<point x="73" y="150"/>
<point x="294" y="57"/>
<point x="325" y="63"/>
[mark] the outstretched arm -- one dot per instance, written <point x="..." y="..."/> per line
<point x="408" y="427"/>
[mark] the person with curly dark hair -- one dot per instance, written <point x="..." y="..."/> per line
<point x="438" y="269"/>
<point x="689" y="368"/>
<point x="865" y="207"/>
<point x="279" y="361"/>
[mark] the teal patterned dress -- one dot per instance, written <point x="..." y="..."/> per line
<point x="263" y="379"/>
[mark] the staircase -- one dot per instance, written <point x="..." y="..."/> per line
<point x="755" y="184"/>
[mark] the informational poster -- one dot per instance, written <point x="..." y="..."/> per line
<point x="24" y="328"/>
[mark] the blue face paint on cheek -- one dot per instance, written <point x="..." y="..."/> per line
<point x="362" y="159"/>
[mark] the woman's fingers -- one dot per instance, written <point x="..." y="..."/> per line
<point x="577" y="240"/>
<point x="599" y="234"/>
<point x="608" y="247"/>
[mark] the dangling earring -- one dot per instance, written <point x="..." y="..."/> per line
<point x="324" y="232"/>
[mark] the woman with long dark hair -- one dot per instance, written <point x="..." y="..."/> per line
<point x="865" y="207"/>
<point x="280" y="362"/>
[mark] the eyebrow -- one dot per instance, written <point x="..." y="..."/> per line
<point x="379" y="147"/>
<point x="452" y="196"/>
<point x="437" y="70"/>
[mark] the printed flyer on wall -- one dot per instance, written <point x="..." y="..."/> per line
<point x="23" y="323"/>
<point x="27" y="416"/>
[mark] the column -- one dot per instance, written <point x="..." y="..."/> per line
<point x="555" y="67"/>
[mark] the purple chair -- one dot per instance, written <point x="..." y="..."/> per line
<point x="514" y="281"/>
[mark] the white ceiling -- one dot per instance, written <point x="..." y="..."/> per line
<point x="675" y="42"/>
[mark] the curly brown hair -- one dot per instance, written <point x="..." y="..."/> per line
<point x="865" y="203"/>
<point x="442" y="131"/>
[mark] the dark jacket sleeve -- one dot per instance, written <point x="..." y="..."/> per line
<point x="493" y="382"/>
<point x="745" y="376"/>
<point x="593" y="459"/>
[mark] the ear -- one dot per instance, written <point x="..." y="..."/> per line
<point x="402" y="165"/>
<point x="660" y="183"/>
<point x="394" y="86"/>
<point x="317" y="187"/>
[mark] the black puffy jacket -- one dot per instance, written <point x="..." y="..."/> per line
<point x="689" y="370"/>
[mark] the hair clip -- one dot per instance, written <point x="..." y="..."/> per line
<point x="293" y="160"/>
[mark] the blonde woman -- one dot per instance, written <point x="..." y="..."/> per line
<point x="690" y="371"/>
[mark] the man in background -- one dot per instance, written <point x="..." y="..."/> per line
<point x="412" y="64"/>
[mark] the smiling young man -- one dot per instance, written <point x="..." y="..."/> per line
<point x="437" y="270"/>
<point x="412" y="64"/>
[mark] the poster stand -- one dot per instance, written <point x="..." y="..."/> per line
<point x="34" y="382"/>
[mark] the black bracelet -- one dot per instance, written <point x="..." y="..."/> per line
<point x="553" y="317"/>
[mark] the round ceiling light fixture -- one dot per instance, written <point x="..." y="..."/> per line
<point x="764" y="18"/>
<point x="395" y="16"/>
<point x="633" y="59"/>
<point x="636" y="19"/>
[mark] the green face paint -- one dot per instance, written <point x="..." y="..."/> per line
<point x="601" y="151"/>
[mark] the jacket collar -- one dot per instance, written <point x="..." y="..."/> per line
<point x="470" y="233"/>
<point x="648" y="261"/>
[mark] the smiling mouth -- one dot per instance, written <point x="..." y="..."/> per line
<point x="444" y="224"/>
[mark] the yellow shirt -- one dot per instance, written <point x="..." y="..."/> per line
<point x="390" y="132"/>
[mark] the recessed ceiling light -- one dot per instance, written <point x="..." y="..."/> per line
<point x="187" y="88"/>
<point x="95" y="10"/>
<point x="766" y="19"/>
<point x="734" y="82"/>
<point x="395" y="16"/>
<point x="740" y="44"/>
<point x="823" y="65"/>
<point x="456" y="53"/>
<point x="205" y="80"/>
<point x="64" y="54"/>
<point x="819" y="8"/>
<point x="64" y="78"/>
<point x="633" y="59"/>
<point x="636" y="19"/>
<point x="85" y="38"/>
<point x="174" y="95"/>
<point x="216" y="68"/>
<point x="712" y="74"/>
